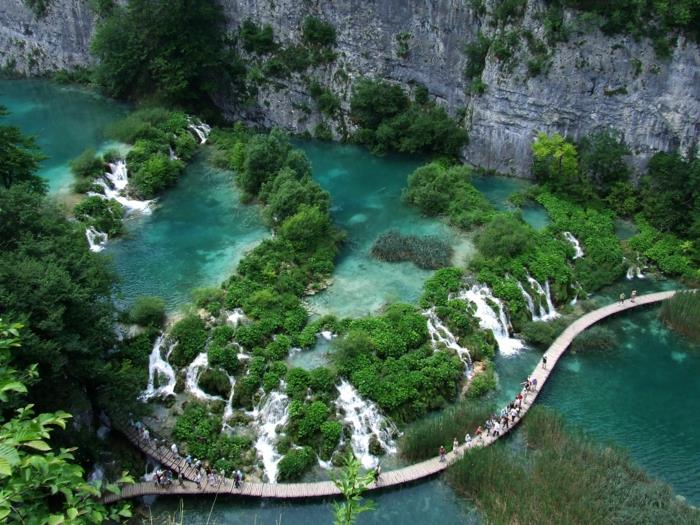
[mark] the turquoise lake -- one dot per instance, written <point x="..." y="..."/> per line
<point x="641" y="395"/>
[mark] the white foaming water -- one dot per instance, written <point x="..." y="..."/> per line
<point x="96" y="239"/>
<point x="440" y="336"/>
<point x="366" y="420"/>
<point x="200" y="129"/>
<point x="236" y="317"/>
<point x="327" y="335"/>
<point x="158" y="365"/>
<point x="114" y="184"/>
<point x="574" y="242"/>
<point x="194" y="370"/>
<point x="498" y="323"/>
<point x="272" y="412"/>
<point x="634" y="271"/>
<point x="547" y="312"/>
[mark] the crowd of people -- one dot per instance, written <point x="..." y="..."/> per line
<point x="204" y="473"/>
<point x="498" y="424"/>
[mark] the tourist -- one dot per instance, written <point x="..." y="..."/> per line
<point x="544" y="362"/>
<point x="526" y="385"/>
<point x="442" y="454"/>
<point x="633" y="296"/>
<point x="377" y="473"/>
<point x="181" y="478"/>
<point x="533" y="384"/>
<point x="197" y="463"/>
<point x="211" y="478"/>
<point x="188" y="460"/>
<point x="173" y="449"/>
<point x="146" y="435"/>
<point x="479" y="431"/>
<point x="455" y="446"/>
<point x="622" y="297"/>
<point x="239" y="476"/>
<point x="467" y="440"/>
<point x="237" y="479"/>
<point x="198" y="479"/>
<point x="222" y="472"/>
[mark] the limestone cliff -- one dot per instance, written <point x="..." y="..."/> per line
<point x="592" y="82"/>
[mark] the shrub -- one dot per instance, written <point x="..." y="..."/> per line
<point x="483" y="381"/>
<point x="87" y="165"/>
<point x="543" y="333"/>
<point x="191" y="336"/>
<point x="257" y="39"/>
<point x="154" y="175"/>
<point x="330" y="436"/>
<point x="105" y="215"/>
<point x="317" y="32"/>
<point x="428" y="252"/>
<point x="296" y="463"/>
<point x="148" y="311"/>
<point x="438" y="287"/>
<point x="504" y="236"/>
<point x="476" y="52"/>
<point x="215" y="382"/>
<point x="594" y="338"/>
<point x="223" y="356"/>
<point x="682" y="313"/>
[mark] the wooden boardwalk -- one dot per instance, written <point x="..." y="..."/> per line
<point x="392" y="478"/>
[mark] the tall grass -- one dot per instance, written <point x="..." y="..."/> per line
<point x="594" y="338"/>
<point x="682" y="313"/>
<point x="563" y="478"/>
<point x="423" y="439"/>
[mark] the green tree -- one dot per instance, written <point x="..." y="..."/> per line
<point x="19" y="155"/>
<point x="504" y="236"/>
<point x="602" y="160"/>
<point x="555" y="161"/>
<point x="37" y="483"/>
<point x="148" y="311"/>
<point x="352" y="484"/>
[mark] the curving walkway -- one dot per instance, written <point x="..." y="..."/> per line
<point x="392" y="478"/>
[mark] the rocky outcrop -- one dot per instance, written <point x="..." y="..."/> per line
<point x="59" y="40"/>
<point x="593" y="81"/>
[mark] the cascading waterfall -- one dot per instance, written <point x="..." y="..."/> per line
<point x="236" y="317"/>
<point x="547" y="312"/>
<point x="635" y="270"/>
<point x="200" y="129"/>
<point x="366" y="421"/>
<point x="157" y="366"/>
<point x="96" y="239"/>
<point x="114" y="184"/>
<point x="194" y="370"/>
<point x="574" y="242"/>
<point x="440" y="336"/>
<point x="273" y="412"/>
<point x="498" y="323"/>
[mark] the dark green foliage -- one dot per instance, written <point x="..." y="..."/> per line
<point x="305" y="420"/>
<point x="440" y="286"/>
<point x="682" y="313"/>
<point x="504" y="236"/>
<point x="563" y="477"/>
<point x="104" y="215"/>
<point x="198" y="433"/>
<point x="317" y="32"/>
<point x="20" y="157"/>
<point x="87" y="165"/>
<point x="287" y="192"/>
<point x="422" y="440"/>
<point x="504" y="46"/>
<point x="175" y="50"/>
<point x="215" y="382"/>
<point x="323" y="132"/>
<point x="38" y="7"/>
<point x="594" y="338"/>
<point x="330" y="436"/>
<point x="421" y="95"/>
<point x="155" y="174"/>
<point x="543" y="333"/>
<point x="388" y="120"/>
<point x="476" y="52"/>
<point x="148" y="311"/>
<point x="388" y="361"/>
<point x="327" y="102"/>
<point x="437" y="190"/>
<point x="191" y="335"/>
<point x="428" y="252"/>
<point x="672" y="255"/>
<point x="482" y="382"/>
<point x="296" y="463"/>
<point x="257" y="39"/>
<point x="223" y="356"/>
<point x="509" y="10"/>
<point x="602" y="160"/>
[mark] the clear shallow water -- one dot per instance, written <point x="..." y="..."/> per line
<point x="432" y="502"/>
<point x="366" y="202"/>
<point x="66" y="120"/>
<point x="194" y="238"/>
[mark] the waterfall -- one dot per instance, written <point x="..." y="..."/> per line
<point x="200" y="129"/>
<point x="114" y="184"/>
<point x="498" y="323"/>
<point x="440" y="335"/>
<point x="157" y="366"/>
<point x="574" y="242"/>
<point x="236" y="317"/>
<point x="97" y="240"/>
<point x="365" y="420"/>
<point x="327" y="335"/>
<point x="546" y="313"/>
<point x="194" y="370"/>
<point x="272" y="412"/>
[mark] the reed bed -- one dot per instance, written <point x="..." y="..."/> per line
<point x="682" y="313"/>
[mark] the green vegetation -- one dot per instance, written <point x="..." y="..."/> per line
<point x="166" y="50"/>
<point x="256" y="39"/>
<point x="191" y="336"/>
<point x="38" y="7"/>
<point x="20" y="156"/>
<point x="429" y="252"/>
<point x="504" y="236"/>
<point x="594" y="338"/>
<point x="351" y="485"/>
<point x="483" y="381"/>
<point x="439" y="190"/>
<point x="104" y="215"/>
<point x="198" y="432"/>
<point x="476" y="52"/>
<point x="563" y="477"/>
<point x="422" y="440"/>
<point x="295" y="463"/>
<point x="682" y="313"/>
<point x="388" y="120"/>
<point x="215" y="382"/>
<point x="317" y="32"/>
<point x="148" y="311"/>
<point x="40" y="484"/>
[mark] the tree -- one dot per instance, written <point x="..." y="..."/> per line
<point x="148" y="311"/>
<point x="555" y="162"/>
<point x="504" y="236"/>
<point x="352" y="485"/>
<point x="20" y="156"/>
<point x="602" y="160"/>
<point x="38" y="484"/>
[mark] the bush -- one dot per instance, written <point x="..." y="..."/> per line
<point x="428" y="252"/>
<point x="295" y="464"/>
<point x="482" y="382"/>
<point x="438" y="287"/>
<point x="154" y="175"/>
<point x="148" y="311"/>
<point x="87" y="165"/>
<point x="543" y="333"/>
<point x="257" y="39"/>
<point x="223" y="356"/>
<point x="317" y="32"/>
<point x="594" y="338"/>
<point x="504" y="236"/>
<point x="330" y="436"/>
<point x="191" y="336"/>
<point x="215" y="382"/>
<point x="476" y="52"/>
<point x="104" y="215"/>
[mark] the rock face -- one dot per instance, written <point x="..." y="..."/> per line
<point x="593" y="82"/>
